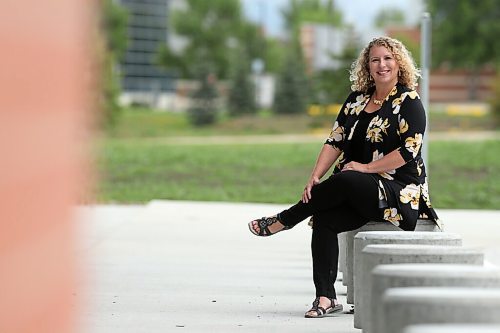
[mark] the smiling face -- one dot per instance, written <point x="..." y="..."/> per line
<point x="383" y="66"/>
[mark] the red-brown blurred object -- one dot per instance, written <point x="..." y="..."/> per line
<point x="44" y="85"/>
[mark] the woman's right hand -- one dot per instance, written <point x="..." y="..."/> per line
<point x="306" y="195"/>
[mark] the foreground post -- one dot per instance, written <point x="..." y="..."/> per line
<point x="44" y="79"/>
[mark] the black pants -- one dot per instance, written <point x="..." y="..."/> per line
<point x="343" y="202"/>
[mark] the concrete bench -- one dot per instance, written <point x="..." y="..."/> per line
<point x="347" y="270"/>
<point x="365" y="238"/>
<point x="426" y="305"/>
<point x="342" y="237"/>
<point x="423" y="275"/>
<point x="452" y="328"/>
<point x="373" y="255"/>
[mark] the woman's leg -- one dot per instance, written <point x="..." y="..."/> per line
<point x="325" y="247"/>
<point x="351" y="188"/>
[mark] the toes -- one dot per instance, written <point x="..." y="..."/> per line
<point x="255" y="226"/>
<point x="311" y="314"/>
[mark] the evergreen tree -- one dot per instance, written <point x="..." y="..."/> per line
<point x="203" y="110"/>
<point x="292" y="90"/>
<point x="241" y="99"/>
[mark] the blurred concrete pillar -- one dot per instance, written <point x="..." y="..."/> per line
<point x="44" y="80"/>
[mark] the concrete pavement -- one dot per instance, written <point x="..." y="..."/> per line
<point x="177" y="266"/>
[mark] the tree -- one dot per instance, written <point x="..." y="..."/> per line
<point x="465" y="35"/>
<point x="316" y="11"/>
<point x="241" y="98"/>
<point x="389" y="16"/>
<point x="334" y="85"/>
<point x="203" y="110"/>
<point x="114" y="27"/>
<point x="292" y="91"/>
<point x="213" y="31"/>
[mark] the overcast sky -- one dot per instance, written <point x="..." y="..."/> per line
<point x="360" y="13"/>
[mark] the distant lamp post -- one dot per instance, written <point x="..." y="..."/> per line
<point x="425" y="62"/>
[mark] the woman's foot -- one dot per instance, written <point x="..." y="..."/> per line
<point x="323" y="306"/>
<point x="266" y="226"/>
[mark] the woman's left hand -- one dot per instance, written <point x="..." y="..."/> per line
<point x="355" y="166"/>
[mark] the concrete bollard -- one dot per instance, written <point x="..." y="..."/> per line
<point x="365" y="238"/>
<point x="423" y="275"/>
<point x="426" y="305"/>
<point x="342" y="255"/>
<point x="422" y="225"/>
<point x="374" y="255"/>
<point x="453" y="328"/>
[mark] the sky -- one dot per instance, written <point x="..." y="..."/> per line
<point x="360" y="13"/>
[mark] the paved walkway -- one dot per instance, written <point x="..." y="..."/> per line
<point x="173" y="266"/>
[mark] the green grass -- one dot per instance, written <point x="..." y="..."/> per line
<point x="462" y="175"/>
<point x="465" y="175"/>
<point x="147" y="123"/>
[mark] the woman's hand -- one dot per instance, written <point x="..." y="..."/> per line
<point x="355" y="166"/>
<point x="306" y="196"/>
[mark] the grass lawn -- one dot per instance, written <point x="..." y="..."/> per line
<point x="145" y="123"/>
<point x="462" y="174"/>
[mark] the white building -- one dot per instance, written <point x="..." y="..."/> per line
<point x="320" y="42"/>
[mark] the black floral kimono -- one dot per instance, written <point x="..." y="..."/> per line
<point x="399" y="124"/>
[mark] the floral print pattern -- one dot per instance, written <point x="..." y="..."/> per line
<point x="337" y="133"/>
<point x="410" y="194"/>
<point x="403" y="126"/>
<point x="399" y="125"/>
<point x="396" y="103"/>
<point x="392" y="215"/>
<point x="413" y="144"/>
<point x="357" y="106"/>
<point x="376" y="127"/>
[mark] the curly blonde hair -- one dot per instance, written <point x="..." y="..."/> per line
<point x="360" y="72"/>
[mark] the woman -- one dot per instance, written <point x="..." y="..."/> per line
<point x="379" y="174"/>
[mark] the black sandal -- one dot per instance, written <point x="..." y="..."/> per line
<point x="264" y="224"/>
<point x="321" y="311"/>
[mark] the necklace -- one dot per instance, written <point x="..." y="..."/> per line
<point x="379" y="101"/>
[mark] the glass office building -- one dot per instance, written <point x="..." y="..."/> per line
<point x="147" y="31"/>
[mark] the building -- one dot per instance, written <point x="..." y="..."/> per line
<point x="143" y="80"/>
<point x="320" y="43"/>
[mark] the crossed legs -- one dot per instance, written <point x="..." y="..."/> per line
<point x="343" y="202"/>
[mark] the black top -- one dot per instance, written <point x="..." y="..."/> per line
<point x="359" y="141"/>
<point x="399" y="125"/>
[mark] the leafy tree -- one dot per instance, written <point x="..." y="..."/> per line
<point x="333" y="85"/>
<point x="213" y="31"/>
<point x="292" y="90"/>
<point x="389" y="16"/>
<point x="465" y="35"/>
<point x="316" y="11"/>
<point x="295" y="15"/>
<point x="114" y="27"/>
<point x="241" y="98"/>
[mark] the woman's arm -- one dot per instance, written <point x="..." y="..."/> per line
<point x="389" y="162"/>
<point x="327" y="156"/>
